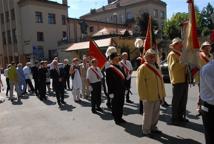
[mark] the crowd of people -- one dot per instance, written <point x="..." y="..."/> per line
<point x="88" y="80"/>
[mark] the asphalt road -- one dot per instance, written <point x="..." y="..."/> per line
<point x="34" y="122"/>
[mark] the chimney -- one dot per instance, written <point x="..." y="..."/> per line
<point x="65" y="2"/>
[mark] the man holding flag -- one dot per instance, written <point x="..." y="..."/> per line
<point x="177" y="73"/>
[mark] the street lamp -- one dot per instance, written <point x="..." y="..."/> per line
<point x="115" y="16"/>
<point x="139" y="44"/>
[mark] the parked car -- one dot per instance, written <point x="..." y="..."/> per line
<point x="165" y="71"/>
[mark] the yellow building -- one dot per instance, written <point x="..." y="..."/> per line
<point x="30" y="29"/>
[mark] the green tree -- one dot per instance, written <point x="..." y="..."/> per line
<point x="206" y="22"/>
<point x="172" y="27"/>
<point x="141" y="24"/>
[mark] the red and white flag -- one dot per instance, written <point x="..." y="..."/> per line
<point x="95" y="52"/>
<point x="191" y="43"/>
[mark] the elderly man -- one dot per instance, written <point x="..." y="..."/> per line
<point x="127" y="67"/>
<point x="178" y="74"/>
<point x="94" y="77"/>
<point x="115" y="78"/>
<point x="207" y="97"/>
<point x="28" y="76"/>
<point x="67" y="75"/>
<point x="151" y="91"/>
<point x="204" y="57"/>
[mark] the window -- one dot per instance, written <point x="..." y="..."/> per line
<point x="64" y="35"/>
<point x="4" y="38"/>
<point x="13" y="14"/>
<point x="40" y="52"/>
<point x="40" y="36"/>
<point x="7" y="16"/>
<point x="155" y="13"/>
<point x="14" y="36"/>
<point x="129" y="15"/>
<point x="39" y="18"/>
<point x="91" y="29"/>
<point x="63" y="20"/>
<point x="163" y="15"/>
<point x="2" y="18"/>
<point x="9" y="37"/>
<point x="51" y="18"/>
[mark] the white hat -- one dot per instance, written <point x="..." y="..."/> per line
<point x="175" y="41"/>
<point x="150" y="52"/>
<point x="110" y="50"/>
<point x="206" y="43"/>
<point x="138" y="43"/>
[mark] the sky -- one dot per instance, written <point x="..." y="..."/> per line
<point x="81" y="7"/>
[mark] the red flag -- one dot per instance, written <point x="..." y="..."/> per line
<point x="193" y="38"/>
<point x="148" y="40"/>
<point x="95" y="52"/>
<point x="191" y="43"/>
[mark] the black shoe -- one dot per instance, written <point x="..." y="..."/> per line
<point x="60" y="106"/>
<point x="184" y="120"/>
<point x="148" y="135"/>
<point x="156" y="131"/>
<point x="174" y="122"/>
<point x="165" y="104"/>
<point x="63" y="102"/>
<point x="123" y="121"/>
<point x="129" y="101"/>
<point x="93" y="111"/>
<point x="118" y="122"/>
<point x="99" y="109"/>
<point x="108" y="105"/>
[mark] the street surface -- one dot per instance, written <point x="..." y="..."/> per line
<point x="32" y="121"/>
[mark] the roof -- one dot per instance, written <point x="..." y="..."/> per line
<point x="109" y="31"/>
<point x="43" y="1"/>
<point x="85" y="45"/>
<point x="122" y="3"/>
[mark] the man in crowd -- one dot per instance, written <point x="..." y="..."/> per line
<point x="94" y="77"/>
<point x="178" y="78"/>
<point x="83" y="70"/>
<point x="115" y="78"/>
<point x="67" y="75"/>
<point x="127" y="67"/>
<point x="28" y="76"/>
<point x="207" y="97"/>
<point x="151" y="91"/>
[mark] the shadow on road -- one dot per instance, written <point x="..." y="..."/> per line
<point x="105" y="115"/>
<point x="67" y="107"/>
<point x="49" y="102"/>
<point x="18" y="102"/>
<point x="167" y="139"/>
<point x="133" y="129"/>
<point x="166" y="117"/>
<point x="85" y="103"/>
<point x="128" y="111"/>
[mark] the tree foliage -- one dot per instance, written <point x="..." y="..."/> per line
<point x="172" y="26"/>
<point x="141" y="24"/>
<point x="204" y="19"/>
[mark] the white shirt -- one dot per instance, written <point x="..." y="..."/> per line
<point x="94" y="75"/>
<point x="127" y="66"/>
<point x="207" y="83"/>
<point x="6" y="72"/>
<point x="27" y="72"/>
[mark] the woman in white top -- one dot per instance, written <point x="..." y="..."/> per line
<point x="76" y="79"/>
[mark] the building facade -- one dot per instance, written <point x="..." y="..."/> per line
<point x="123" y="11"/>
<point x="31" y="29"/>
